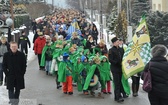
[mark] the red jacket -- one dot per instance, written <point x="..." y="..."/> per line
<point x="39" y="45"/>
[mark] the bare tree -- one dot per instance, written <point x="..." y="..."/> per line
<point x="38" y="9"/>
<point x="74" y="4"/>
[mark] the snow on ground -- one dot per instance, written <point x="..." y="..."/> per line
<point x="31" y="54"/>
<point x="3" y="95"/>
<point x="3" y="91"/>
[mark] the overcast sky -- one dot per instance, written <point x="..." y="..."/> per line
<point x="60" y="3"/>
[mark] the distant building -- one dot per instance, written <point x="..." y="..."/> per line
<point x="160" y="5"/>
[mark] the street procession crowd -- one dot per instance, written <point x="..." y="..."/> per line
<point x="68" y="48"/>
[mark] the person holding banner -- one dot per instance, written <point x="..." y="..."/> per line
<point x="115" y="56"/>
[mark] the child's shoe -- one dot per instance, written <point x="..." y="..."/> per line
<point x="70" y="93"/>
<point x="86" y="93"/>
<point x="109" y="92"/>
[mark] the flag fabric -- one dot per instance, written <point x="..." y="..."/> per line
<point x="137" y="54"/>
<point x="73" y="28"/>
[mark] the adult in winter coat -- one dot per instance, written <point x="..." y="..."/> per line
<point x="38" y="47"/>
<point x="159" y="72"/>
<point x="62" y="32"/>
<point x="4" y="47"/>
<point x="75" y="39"/>
<point x="14" y="67"/>
<point x="115" y="58"/>
<point x="36" y="35"/>
<point x="95" y="34"/>
<point x="34" y="25"/>
<point x="90" y="44"/>
<point x="24" y="41"/>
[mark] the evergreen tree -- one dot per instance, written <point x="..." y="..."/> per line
<point x="2" y="2"/>
<point x="139" y="7"/>
<point x="109" y="7"/>
<point x="121" y="26"/>
<point x="157" y="24"/>
<point x="111" y="22"/>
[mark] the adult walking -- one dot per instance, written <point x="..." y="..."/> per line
<point x="24" y="42"/>
<point x="95" y="34"/>
<point x="115" y="58"/>
<point x="158" y="68"/>
<point x="4" y="47"/>
<point x="34" y="25"/>
<point x="14" y="67"/>
<point x="38" y="47"/>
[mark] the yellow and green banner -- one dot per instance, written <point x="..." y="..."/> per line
<point x="138" y="51"/>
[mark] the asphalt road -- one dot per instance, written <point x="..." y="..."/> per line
<point x="41" y="89"/>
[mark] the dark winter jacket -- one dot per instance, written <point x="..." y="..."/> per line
<point x="39" y="45"/>
<point x="48" y="54"/>
<point x="23" y="41"/>
<point x="95" y="34"/>
<point x="89" y="45"/>
<point x="159" y="73"/>
<point x="115" y="58"/>
<point x="34" y="25"/>
<point x="76" y="41"/>
<point x="35" y="37"/>
<point x="63" y="33"/>
<point x="14" y="66"/>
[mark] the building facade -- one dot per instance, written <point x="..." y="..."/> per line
<point x="160" y="5"/>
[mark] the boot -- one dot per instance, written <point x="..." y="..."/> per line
<point x="46" y="72"/>
<point x="134" y="90"/>
<point x="104" y="91"/>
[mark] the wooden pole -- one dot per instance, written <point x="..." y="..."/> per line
<point x="11" y="12"/>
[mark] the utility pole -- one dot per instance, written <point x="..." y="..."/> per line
<point x="91" y="7"/>
<point x="11" y="12"/>
<point x="119" y="6"/>
<point x="83" y="3"/>
<point x="128" y="11"/>
<point x="101" y="19"/>
<point x="53" y="5"/>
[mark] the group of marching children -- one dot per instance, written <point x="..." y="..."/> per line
<point x="74" y="64"/>
<point x="77" y="60"/>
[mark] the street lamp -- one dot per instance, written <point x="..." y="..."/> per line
<point x="9" y="23"/>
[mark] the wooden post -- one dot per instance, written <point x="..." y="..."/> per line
<point x="11" y="12"/>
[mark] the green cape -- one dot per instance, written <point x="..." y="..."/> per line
<point x="89" y="76"/>
<point x="78" y="67"/>
<point x="63" y="71"/>
<point x="42" y="63"/>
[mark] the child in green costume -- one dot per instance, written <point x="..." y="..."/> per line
<point x="85" y="71"/>
<point x="65" y="71"/>
<point x="93" y="72"/>
<point x="105" y="74"/>
<point x="46" y="58"/>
